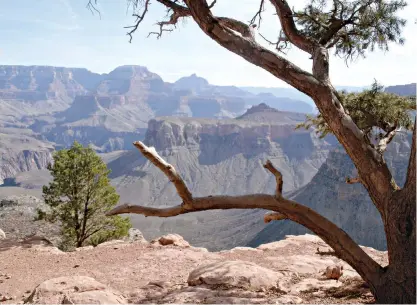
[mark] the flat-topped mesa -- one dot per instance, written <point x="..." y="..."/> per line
<point x="262" y="107"/>
<point x="249" y="134"/>
<point x="265" y="113"/>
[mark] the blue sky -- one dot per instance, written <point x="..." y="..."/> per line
<point x="65" y="33"/>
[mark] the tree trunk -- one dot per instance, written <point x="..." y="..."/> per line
<point x="397" y="284"/>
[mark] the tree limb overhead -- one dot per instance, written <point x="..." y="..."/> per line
<point x="278" y="177"/>
<point x="282" y="208"/>
<point x="182" y="190"/>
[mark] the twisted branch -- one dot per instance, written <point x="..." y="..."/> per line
<point x="278" y="177"/>
<point x="182" y="190"/>
<point x="283" y="209"/>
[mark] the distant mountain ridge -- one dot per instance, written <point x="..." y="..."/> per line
<point x="213" y="156"/>
<point x="217" y="138"/>
<point x="67" y="104"/>
<point x="218" y="156"/>
<point x="405" y="90"/>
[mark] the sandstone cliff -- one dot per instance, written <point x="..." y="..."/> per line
<point x="20" y="152"/>
<point x="217" y="157"/>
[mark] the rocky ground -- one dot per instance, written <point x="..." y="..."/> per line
<point x="168" y="270"/>
<point x="17" y="214"/>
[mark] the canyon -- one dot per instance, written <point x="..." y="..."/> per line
<point x="217" y="137"/>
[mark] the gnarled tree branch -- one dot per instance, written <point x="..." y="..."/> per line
<point x="286" y="18"/>
<point x="139" y="19"/>
<point x="182" y="190"/>
<point x="371" y="166"/>
<point x="250" y="50"/>
<point x="258" y="15"/>
<point x="278" y="177"/>
<point x="283" y="208"/>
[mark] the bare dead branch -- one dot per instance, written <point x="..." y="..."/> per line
<point x="281" y="44"/>
<point x="182" y="190"/>
<point x="92" y="7"/>
<point x="174" y="10"/>
<point x="159" y="34"/>
<point x="278" y="177"/>
<point x="283" y="208"/>
<point x="250" y="50"/>
<point x="268" y="217"/>
<point x="224" y="34"/>
<point x="353" y="180"/>
<point x="212" y="4"/>
<point x="139" y="19"/>
<point x="177" y="11"/>
<point x="258" y="14"/>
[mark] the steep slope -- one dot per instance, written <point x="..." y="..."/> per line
<point x="217" y="157"/>
<point x="20" y="152"/>
<point x="348" y="205"/>
<point x="35" y="90"/>
<point x="109" y="117"/>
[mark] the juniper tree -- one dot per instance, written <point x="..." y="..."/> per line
<point x="79" y="195"/>
<point x="377" y="113"/>
<point x="349" y="29"/>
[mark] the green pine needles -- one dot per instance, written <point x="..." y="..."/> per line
<point x="375" y="112"/>
<point x="79" y="195"/>
<point x="352" y="27"/>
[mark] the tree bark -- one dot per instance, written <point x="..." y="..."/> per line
<point x="373" y="172"/>
<point x="371" y="166"/>
<point x="284" y="208"/>
<point x="397" y="284"/>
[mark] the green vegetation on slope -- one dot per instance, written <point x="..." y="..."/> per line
<point x="79" y="196"/>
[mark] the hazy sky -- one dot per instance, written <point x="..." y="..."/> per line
<point x="65" y="33"/>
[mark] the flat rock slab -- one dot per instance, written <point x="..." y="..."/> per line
<point x="74" y="290"/>
<point x="240" y="274"/>
<point x="171" y="239"/>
